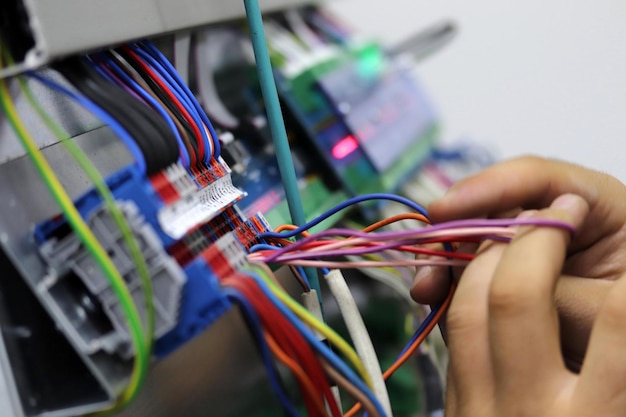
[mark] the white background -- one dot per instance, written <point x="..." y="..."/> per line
<point x="543" y="77"/>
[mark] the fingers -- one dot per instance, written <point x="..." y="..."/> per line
<point x="431" y="284"/>
<point x="450" y="399"/>
<point x="578" y="301"/>
<point x="523" y="322"/>
<point x="527" y="182"/>
<point x="532" y="182"/>
<point x="602" y="377"/>
<point x="468" y="335"/>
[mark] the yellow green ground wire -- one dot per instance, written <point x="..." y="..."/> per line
<point x="129" y="238"/>
<point x="109" y="201"/>
<point x="85" y="235"/>
<point x="316" y="324"/>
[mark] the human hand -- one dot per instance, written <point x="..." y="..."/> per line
<point x="503" y="332"/>
<point x="530" y="183"/>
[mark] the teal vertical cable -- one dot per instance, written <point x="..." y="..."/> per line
<point x="277" y="124"/>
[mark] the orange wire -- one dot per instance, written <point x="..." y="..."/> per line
<point x="375" y="226"/>
<point x="401" y="360"/>
<point x="298" y="372"/>
<point x="444" y="306"/>
<point x="290" y="227"/>
<point x="397" y="218"/>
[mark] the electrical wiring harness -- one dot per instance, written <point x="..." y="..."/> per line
<point x="163" y="250"/>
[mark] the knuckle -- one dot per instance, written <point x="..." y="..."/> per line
<point x="464" y="318"/>
<point x="507" y="299"/>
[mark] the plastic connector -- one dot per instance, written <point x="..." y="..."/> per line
<point x="81" y="297"/>
<point x="202" y="303"/>
<point x="170" y="201"/>
<point x="128" y="184"/>
<point x="176" y="222"/>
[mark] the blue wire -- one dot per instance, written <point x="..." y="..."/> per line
<point x="355" y="200"/>
<point x="100" y="113"/>
<point x="417" y="334"/>
<point x="316" y="344"/>
<point x="420" y="329"/>
<point x="165" y="76"/>
<point x="255" y="327"/>
<point x="147" y="97"/>
<point x="264" y="246"/>
<point x="172" y="70"/>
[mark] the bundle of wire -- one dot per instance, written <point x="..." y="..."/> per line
<point x="154" y="140"/>
<point x="141" y="334"/>
<point x="136" y="91"/>
<point x="142" y="92"/>
<point x="322" y="250"/>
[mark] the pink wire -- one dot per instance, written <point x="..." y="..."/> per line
<point x="378" y="264"/>
<point x="453" y="225"/>
<point x="352" y="245"/>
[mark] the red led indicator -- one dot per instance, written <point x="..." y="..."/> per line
<point x="345" y="147"/>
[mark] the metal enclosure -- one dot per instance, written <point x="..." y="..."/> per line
<point x="67" y="27"/>
<point x="64" y="27"/>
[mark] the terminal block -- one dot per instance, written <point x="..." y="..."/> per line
<point x="81" y="298"/>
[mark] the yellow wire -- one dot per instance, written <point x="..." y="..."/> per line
<point x="314" y="323"/>
<point x="83" y="231"/>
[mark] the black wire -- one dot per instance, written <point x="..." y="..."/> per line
<point x="118" y="103"/>
<point x="143" y="123"/>
<point x="159" y="126"/>
<point x="164" y="98"/>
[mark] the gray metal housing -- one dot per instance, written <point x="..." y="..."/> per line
<point x="65" y="27"/>
<point x="68" y="257"/>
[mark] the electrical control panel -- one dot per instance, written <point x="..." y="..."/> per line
<point x="125" y="268"/>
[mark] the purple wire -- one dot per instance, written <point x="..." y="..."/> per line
<point x="365" y="250"/>
<point x="412" y="233"/>
<point x="343" y="252"/>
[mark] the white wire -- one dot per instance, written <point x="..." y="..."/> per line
<point x="209" y="50"/>
<point x="395" y="282"/>
<point x="304" y="33"/>
<point x="359" y="335"/>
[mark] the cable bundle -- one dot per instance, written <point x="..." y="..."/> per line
<point x="279" y="325"/>
<point x="137" y="87"/>
<point x="322" y="250"/>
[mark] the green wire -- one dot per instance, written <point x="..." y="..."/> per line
<point x="277" y="125"/>
<point x="85" y="235"/>
<point x="129" y="238"/>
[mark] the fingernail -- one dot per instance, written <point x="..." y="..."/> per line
<point x="568" y="202"/>
<point x="424" y="272"/>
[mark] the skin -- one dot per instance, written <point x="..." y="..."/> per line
<point x="592" y="264"/>
<point x="503" y="332"/>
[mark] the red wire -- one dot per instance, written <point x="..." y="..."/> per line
<point x="166" y="89"/>
<point x="294" y="343"/>
<point x="286" y="335"/>
<point x="270" y="319"/>
<point x="403" y="248"/>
